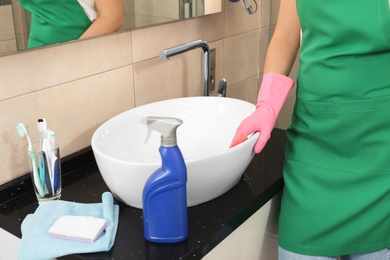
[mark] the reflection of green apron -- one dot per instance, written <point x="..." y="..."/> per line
<point x="336" y="199"/>
<point x="55" y="21"/>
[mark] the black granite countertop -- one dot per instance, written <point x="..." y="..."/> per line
<point x="209" y="223"/>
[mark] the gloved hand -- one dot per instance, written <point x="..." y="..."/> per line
<point x="273" y="93"/>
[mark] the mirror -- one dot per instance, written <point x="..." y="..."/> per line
<point x="14" y="20"/>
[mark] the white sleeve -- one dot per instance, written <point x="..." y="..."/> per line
<point x="89" y="9"/>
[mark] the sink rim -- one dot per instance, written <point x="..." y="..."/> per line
<point x="97" y="134"/>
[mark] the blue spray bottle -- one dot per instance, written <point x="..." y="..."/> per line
<point x="164" y="196"/>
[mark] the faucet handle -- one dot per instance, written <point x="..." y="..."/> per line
<point x="221" y="92"/>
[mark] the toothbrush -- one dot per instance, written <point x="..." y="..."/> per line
<point x="53" y="171"/>
<point x="22" y="131"/>
<point x="44" y="169"/>
<point x="42" y="128"/>
<point x="46" y="173"/>
<point x="56" y="175"/>
<point x="48" y="145"/>
<point x="41" y="171"/>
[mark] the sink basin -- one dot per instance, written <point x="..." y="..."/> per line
<point x="125" y="161"/>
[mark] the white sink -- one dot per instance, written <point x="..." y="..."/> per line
<point x="125" y="161"/>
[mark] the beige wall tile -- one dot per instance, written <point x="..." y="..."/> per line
<point x="73" y="110"/>
<point x="167" y="8"/>
<point x="265" y="12"/>
<point x="7" y="36"/>
<point x="6" y="23"/>
<point x="209" y="28"/>
<point x="19" y="17"/>
<point x="275" y="4"/>
<point x="8" y="46"/>
<point x="157" y="79"/>
<point x="238" y="21"/>
<point x="21" y="41"/>
<point x="241" y="56"/>
<point x="264" y="41"/>
<point x="33" y="70"/>
<point x="245" y="90"/>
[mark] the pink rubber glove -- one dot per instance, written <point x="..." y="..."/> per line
<point x="273" y="93"/>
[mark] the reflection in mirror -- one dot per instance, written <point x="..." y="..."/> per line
<point x="15" y="21"/>
<point x="55" y="22"/>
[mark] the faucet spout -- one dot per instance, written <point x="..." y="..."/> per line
<point x="170" y="52"/>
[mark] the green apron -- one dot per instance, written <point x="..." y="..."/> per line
<point x="336" y="199"/>
<point x="55" y="21"/>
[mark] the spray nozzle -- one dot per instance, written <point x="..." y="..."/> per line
<point x="166" y="126"/>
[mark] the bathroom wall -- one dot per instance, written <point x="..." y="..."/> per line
<point x="7" y="37"/>
<point x="128" y="14"/>
<point x="19" y="25"/>
<point x="150" y="12"/>
<point x="78" y="86"/>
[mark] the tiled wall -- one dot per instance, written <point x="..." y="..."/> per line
<point x="151" y="12"/>
<point x="7" y="36"/>
<point x="79" y="85"/>
<point x="20" y="25"/>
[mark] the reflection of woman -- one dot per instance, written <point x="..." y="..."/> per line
<point x="336" y="199"/>
<point x="60" y="21"/>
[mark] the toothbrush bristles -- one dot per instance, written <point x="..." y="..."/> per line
<point x="22" y="130"/>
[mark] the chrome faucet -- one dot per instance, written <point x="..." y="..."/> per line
<point x="169" y="52"/>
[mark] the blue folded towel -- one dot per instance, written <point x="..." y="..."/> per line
<point x="37" y="244"/>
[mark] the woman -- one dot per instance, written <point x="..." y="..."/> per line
<point x="66" y="20"/>
<point x="336" y="200"/>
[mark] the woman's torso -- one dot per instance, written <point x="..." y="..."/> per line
<point x="55" y="21"/>
<point x="345" y="52"/>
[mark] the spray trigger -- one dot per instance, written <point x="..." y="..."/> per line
<point x="144" y="121"/>
<point x="166" y="126"/>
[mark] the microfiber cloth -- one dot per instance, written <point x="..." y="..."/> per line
<point x="37" y="244"/>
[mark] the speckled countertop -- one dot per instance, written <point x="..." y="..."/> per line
<point x="209" y="223"/>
